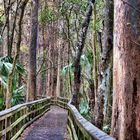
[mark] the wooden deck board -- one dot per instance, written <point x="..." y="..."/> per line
<point x="52" y="126"/>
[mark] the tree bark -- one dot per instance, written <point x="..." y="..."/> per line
<point x="80" y="45"/>
<point x="33" y="53"/>
<point x="58" y="69"/>
<point x="126" y="87"/>
<point x="95" y="63"/>
<point x="104" y="101"/>
<point x="11" y="74"/>
<point x="50" y="63"/>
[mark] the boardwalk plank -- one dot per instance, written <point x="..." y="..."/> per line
<point x="52" y="126"/>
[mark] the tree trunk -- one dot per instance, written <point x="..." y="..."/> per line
<point x="92" y="99"/>
<point x="50" y="63"/>
<point x="126" y="87"/>
<point x="58" y="69"/>
<point x="94" y="83"/>
<point x="104" y="101"/>
<point x="55" y="57"/>
<point x="7" y="7"/>
<point x="43" y="74"/>
<point x="11" y="74"/>
<point x="32" y="52"/>
<point x="80" y="46"/>
<point x="1" y="50"/>
<point x="1" y="42"/>
<point x="95" y="63"/>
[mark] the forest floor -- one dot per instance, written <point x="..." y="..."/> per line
<point x="52" y="126"/>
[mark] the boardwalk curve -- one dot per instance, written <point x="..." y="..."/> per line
<point x="52" y="126"/>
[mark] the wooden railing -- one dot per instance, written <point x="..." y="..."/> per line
<point x="79" y="128"/>
<point x="14" y="120"/>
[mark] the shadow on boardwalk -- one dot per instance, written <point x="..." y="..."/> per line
<point x="52" y="126"/>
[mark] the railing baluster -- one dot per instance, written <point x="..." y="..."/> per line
<point x="14" y="120"/>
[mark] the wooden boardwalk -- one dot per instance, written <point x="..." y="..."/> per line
<point x="52" y="126"/>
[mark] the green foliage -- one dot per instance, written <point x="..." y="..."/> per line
<point x="86" y="66"/>
<point x="86" y="70"/>
<point x="47" y="15"/>
<point x="89" y="55"/>
<point x="99" y="15"/>
<point x="84" y="63"/>
<point x="5" y="68"/>
<point x="74" y="5"/>
<point x="1" y="40"/>
<point x="67" y="68"/>
<point x="2" y="18"/>
<point x="72" y="12"/>
<point x="17" y="92"/>
<point x="2" y="103"/>
<point x="18" y="96"/>
<point x="84" y="108"/>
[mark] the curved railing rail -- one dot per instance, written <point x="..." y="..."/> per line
<point x="79" y="128"/>
<point x="14" y="120"/>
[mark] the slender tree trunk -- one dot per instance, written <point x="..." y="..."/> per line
<point x="80" y="46"/>
<point x="104" y="101"/>
<point x="94" y="83"/>
<point x="10" y="22"/>
<point x="69" y="51"/>
<point x="49" y="61"/>
<point x="11" y="74"/>
<point x="49" y="64"/>
<point x="55" y="58"/>
<point x="39" y="65"/>
<point x="1" y="42"/>
<point x="126" y="81"/>
<point x="95" y="66"/>
<point x="62" y="65"/>
<point x="43" y="74"/>
<point x="52" y="58"/>
<point x="7" y="6"/>
<point x="92" y="99"/>
<point x="33" y="52"/>
<point x="1" y="50"/>
<point x="58" y="69"/>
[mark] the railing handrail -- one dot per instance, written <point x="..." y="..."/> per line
<point x="95" y="132"/>
<point x="14" y="120"/>
<point x="14" y="108"/>
<point x="92" y="130"/>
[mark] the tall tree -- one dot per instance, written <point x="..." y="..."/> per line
<point x="33" y="52"/>
<point x="11" y="13"/>
<point x="104" y="96"/>
<point x="80" y="46"/>
<point x="126" y="87"/>
<point x="19" y="39"/>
